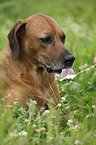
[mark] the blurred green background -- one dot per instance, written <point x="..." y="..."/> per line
<point x="76" y="17"/>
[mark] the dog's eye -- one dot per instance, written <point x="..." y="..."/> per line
<point x="47" y="40"/>
<point x="63" y="36"/>
<point x="63" y="39"/>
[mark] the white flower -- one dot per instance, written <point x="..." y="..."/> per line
<point x="19" y="133"/>
<point x="51" y="137"/>
<point x="16" y="101"/>
<point x="34" y="102"/>
<point x="76" y="127"/>
<point x="70" y="122"/>
<point x="77" y="142"/>
<point x="59" y="105"/>
<point x="46" y="112"/>
<point x="24" y="133"/>
<point x="93" y="106"/>
<point x="34" y="125"/>
<point x="63" y="98"/>
<point x="26" y="120"/>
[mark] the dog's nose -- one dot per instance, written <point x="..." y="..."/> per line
<point x="68" y="60"/>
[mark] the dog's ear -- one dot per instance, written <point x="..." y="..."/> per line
<point x="14" y="36"/>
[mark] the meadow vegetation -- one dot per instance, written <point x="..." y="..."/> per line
<point x="74" y="122"/>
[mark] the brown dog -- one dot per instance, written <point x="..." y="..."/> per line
<point x="35" y="51"/>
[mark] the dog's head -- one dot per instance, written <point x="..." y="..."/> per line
<point x="40" y="40"/>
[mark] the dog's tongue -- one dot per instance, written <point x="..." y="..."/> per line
<point x="95" y="60"/>
<point x="67" y="71"/>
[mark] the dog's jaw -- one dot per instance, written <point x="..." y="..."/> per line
<point x="49" y="69"/>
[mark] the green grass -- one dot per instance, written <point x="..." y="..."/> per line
<point x="78" y="21"/>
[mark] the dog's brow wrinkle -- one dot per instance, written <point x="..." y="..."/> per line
<point x="44" y="17"/>
<point x="46" y="34"/>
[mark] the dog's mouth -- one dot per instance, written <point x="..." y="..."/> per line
<point x="50" y="69"/>
<point x="59" y="64"/>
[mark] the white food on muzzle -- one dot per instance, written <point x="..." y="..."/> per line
<point x="67" y="74"/>
<point x="68" y="77"/>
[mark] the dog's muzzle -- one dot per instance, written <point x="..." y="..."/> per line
<point x="60" y="63"/>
